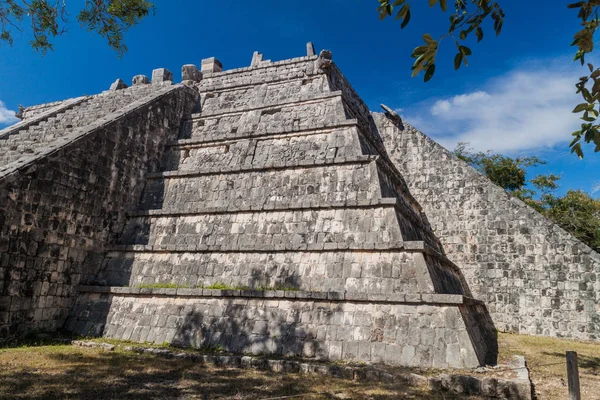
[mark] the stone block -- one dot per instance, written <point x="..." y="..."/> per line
<point x="161" y="75"/>
<point x="211" y="65"/>
<point x="140" y="80"/>
<point x="190" y="72"/>
<point x="118" y="85"/>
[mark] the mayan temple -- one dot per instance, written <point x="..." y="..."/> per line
<point x="266" y="210"/>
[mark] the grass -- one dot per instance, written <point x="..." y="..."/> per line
<point x="68" y="372"/>
<point x="216" y="285"/>
<point x="46" y="369"/>
<point x="550" y="381"/>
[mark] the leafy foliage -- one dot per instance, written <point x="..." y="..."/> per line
<point x="469" y="18"/>
<point x="47" y="19"/>
<point x="506" y="172"/>
<point x="576" y="212"/>
<point x="584" y="41"/>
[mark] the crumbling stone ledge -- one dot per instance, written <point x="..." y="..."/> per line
<point x="392" y="298"/>
<point x="484" y="386"/>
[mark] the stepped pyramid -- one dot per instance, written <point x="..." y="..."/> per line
<point x="261" y="214"/>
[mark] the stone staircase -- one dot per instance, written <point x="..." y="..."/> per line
<point x="19" y="142"/>
<point x="279" y="226"/>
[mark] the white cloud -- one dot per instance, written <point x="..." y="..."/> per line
<point x="7" y="116"/>
<point x="521" y="110"/>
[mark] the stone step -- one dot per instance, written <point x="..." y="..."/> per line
<point x="291" y="164"/>
<point x="320" y="145"/>
<point x="322" y="110"/>
<point x="355" y="297"/>
<point x="229" y="137"/>
<point x="328" y="185"/>
<point x="429" y="332"/>
<point x="300" y="205"/>
<point x="262" y="95"/>
<point x="268" y="108"/>
<point x="294" y="68"/>
<point x="368" y="271"/>
<point x="376" y="224"/>
<point x="77" y="114"/>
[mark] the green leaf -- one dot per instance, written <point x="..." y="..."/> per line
<point x="432" y="3"/>
<point x="406" y="17"/>
<point x="465" y="50"/>
<point x="429" y="73"/>
<point x="458" y="60"/>
<point x="577" y="150"/>
<point x="419" y="51"/>
<point x="479" y="33"/>
<point x="580" y="107"/>
<point x="443" y="5"/>
<point x="427" y="38"/>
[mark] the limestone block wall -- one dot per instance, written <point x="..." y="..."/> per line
<point x="271" y="188"/>
<point x="257" y="120"/>
<point x="313" y="145"/>
<point x="278" y="188"/>
<point x="535" y="277"/>
<point x="425" y="332"/>
<point x="358" y="272"/>
<point x="61" y="205"/>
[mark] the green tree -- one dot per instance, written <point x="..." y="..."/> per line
<point x="469" y="19"/>
<point x="47" y="19"/>
<point x="509" y="173"/>
<point x="576" y="212"/>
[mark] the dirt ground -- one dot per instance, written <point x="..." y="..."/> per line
<point x="69" y="372"/>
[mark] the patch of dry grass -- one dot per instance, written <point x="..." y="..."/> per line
<point x="67" y="372"/>
<point x="550" y="381"/>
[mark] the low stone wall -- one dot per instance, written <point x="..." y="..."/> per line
<point x="60" y="207"/>
<point x="408" y="330"/>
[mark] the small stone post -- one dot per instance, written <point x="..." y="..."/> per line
<point x="118" y="85"/>
<point x="140" y="80"/>
<point x="189" y="72"/>
<point x="211" y="65"/>
<point x="256" y="59"/>
<point x="161" y="75"/>
<point x="573" y="376"/>
<point x="310" y="49"/>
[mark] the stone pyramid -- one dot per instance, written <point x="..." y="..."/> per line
<point x="275" y="223"/>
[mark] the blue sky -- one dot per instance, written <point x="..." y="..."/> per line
<point x="515" y="97"/>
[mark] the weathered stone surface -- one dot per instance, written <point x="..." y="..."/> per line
<point x="279" y="179"/>
<point x="211" y="65"/>
<point x="256" y="59"/>
<point x="321" y="330"/>
<point x="161" y="75"/>
<point x="118" y="85"/>
<point x="190" y="72"/>
<point x="537" y="278"/>
<point x="68" y="201"/>
<point x="140" y="80"/>
<point x="310" y="49"/>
